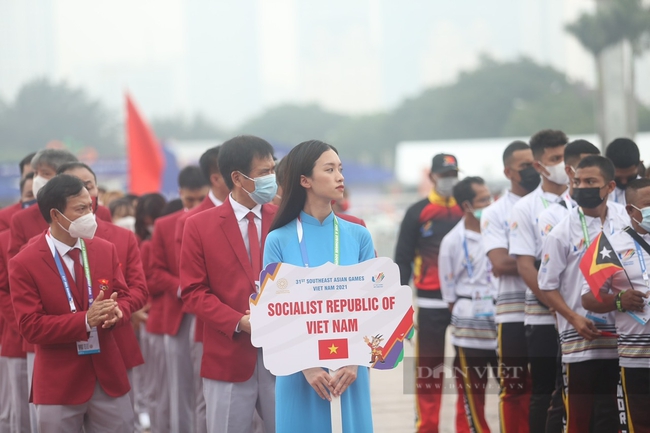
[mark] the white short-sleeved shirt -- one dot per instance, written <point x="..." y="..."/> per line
<point x="617" y="196"/>
<point x="550" y="217"/>
<point x="526" y="240"/>
<point x="495" y="227"/>
<point x="563" y="250"/>
<point x="633" y="337"/>
<point x="461" y="284"/>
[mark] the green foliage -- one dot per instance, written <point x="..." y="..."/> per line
<point x="292" y="124"/>
<point x="616" y="21"/>
<point x="496" y="99"/>
<point x="566" y="111"/>
<point x="480" y="103"/>
<point x="366" y="137"/>
<point x="589" y="31"/>
<point x="180" y="128"/>
<point x="44" y="111"/>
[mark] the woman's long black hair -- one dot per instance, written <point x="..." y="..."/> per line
<point x="299" y="162"/>
<point x="149" y="205"/>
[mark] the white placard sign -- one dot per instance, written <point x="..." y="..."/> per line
<point x="331" y="316"/>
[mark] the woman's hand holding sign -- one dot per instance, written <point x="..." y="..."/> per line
<point x="343" y="377"/>
<point x="320" y="380"/>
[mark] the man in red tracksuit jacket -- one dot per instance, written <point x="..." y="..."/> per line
<point x="423" y="227"/>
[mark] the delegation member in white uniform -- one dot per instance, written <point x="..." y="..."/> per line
<point x="587" y="339"/>
<point x="469" y="288"/>
<point x="526" y="244"/>
<point x="549" y="218"/>
<point x="514" y="399"/>
<point x="626" y="294"/>
<point x="624" y="153"/>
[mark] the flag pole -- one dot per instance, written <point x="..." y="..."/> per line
<point x="336" y="412"/>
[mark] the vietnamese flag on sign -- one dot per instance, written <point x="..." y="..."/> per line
<point x="333" y="349"/>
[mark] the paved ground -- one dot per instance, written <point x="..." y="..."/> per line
<point x="394" y="412"/>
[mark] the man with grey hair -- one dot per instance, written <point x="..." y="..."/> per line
<point x="27" y="223"/>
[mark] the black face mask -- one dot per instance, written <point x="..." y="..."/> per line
<point x="529" y="178"/>
<point x="623" y="186"/>
<point x="27" y="204"/>
<point x="587" y="198"/>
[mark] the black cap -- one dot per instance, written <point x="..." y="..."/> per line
<point x="444" y="162"/>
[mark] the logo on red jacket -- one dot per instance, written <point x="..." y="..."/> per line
<point x="103" y="284"/>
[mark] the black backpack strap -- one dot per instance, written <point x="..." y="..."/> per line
<point x="639" y="240"/>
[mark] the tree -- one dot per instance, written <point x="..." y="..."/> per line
<point x="179" y="127"/>
<point x="43" y="112"/>
<point x="481" y="102"/>
<point x="565" y="111"/>
<point x="613" y="23"/>
<point x="292" y="124"/>
<point x="365" y="138"/>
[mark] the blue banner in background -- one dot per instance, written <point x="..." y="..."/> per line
<point x="111" y="173"/>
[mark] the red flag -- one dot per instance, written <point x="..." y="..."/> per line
<point x="599" y="263"/>
<point x="333" y="349"/>
<point x="145" y="157"/>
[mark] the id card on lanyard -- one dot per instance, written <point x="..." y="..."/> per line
<point x="644" y="316"/>
<point x="91" y="346"/>
<point x="482" y="300"/>
<point x="303" y="244"/>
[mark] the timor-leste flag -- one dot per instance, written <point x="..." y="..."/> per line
<point x="599" y="263"/>
<point x="333" y="349"/>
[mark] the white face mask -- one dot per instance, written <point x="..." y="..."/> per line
<point x="556" y="173"/>
<point x="38" y="183"/>
<point x="445" y="185"/>
<point x="127" y="222"/>
<point x="83" y="227"/>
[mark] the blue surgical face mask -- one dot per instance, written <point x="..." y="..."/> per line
<point x="645" y="222"/>
<point x="265" y="188"/>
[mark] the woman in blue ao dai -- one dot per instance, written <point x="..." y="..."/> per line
<point x="312" y="179"/>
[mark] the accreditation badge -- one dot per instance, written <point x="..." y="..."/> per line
<point x="597" y="317"/>
<point x="91" y="346"/>
<point x="482" y="304"/>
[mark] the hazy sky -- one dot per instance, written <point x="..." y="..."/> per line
<point x="231" y="60"/>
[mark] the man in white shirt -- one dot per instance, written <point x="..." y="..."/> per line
<point x="624" y="153"/>
<point x="573" y="154"/>
<point x="514" y="399"/>
<point x="588" y="340"/>
<point x="549" y="218"/>
<point x="526" y="244"/>
<point x="626" y="294"/>
<point x="469" y="288"/>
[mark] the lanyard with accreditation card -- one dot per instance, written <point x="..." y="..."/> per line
<point x="336" y="413"/>
<point x="482" y="303"/>
<point x="644" y="269"/>
<point x="91" y="346"/>
<point x="303" y="244"/>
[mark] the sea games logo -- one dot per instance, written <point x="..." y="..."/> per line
<point x="377" y="280"/>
